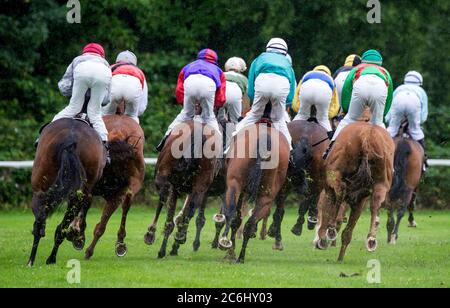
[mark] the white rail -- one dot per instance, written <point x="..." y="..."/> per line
<point x="152" y="161"/>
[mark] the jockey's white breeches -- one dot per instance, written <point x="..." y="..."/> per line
<point x="407" y="105"/>
<point x="94" y="76"/>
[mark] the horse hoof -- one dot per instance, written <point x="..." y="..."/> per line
<point x="161" y="254"/>
<point x="215" y="245"/>
<point x="297" y="230"/>
<point x="321" y="245"/>
<point x="180" y="238"/>
<point x="412" y="224"/>
<point x="240" y="261"/>
<point x="333" y="244"/>
<point x="332" y="234"/>
<point x="51" y="261"/>
<point x="88" y="255"/>
<point x="79" y="243"/>
<point x="393" y="241"/>
<point x="278" y="247"/>
<point x="371" y="244"/>
<point x="312" y="222"/>
<point x="149" y="238"/>
<point x="219" y="218"/>
<point x="174" y="253"/>
<point x="225" y="243"/>
<point x="121" y="250"/>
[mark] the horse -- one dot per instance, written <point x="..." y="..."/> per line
<point x="122" y="179"/>
<point x="359" y="166"/>
<point x="69" y="161"/>
<point x="249" y="175"/>
<point x="306" y="176"/>
<point x="188" y="172"/>
<point x="408" y="162"/>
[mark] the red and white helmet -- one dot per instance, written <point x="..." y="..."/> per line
<point x="235" y="64"/>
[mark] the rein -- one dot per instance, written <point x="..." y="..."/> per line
<point x="320" y="142"/>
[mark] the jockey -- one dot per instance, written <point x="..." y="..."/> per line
<point x="411" y="102"/>
<point x="204" y="82"/>
<point x="341" y="74"/>
<point x="237" y="85"/>
<point x="90" y="71"/>
<point x="367" y="85"/>
<point x="271" y="80"/>
<point x="317" y="88"/>
<point x="128" y="85"/>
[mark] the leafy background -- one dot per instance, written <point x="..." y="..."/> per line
<point x="37" y="44"/>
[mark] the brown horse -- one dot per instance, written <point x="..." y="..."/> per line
<point x="306" y="176"/>
<point x="408" y="162"/>
<point x="191" y="173"/>
<point x="69" y="161"/>
<point x="247" y="174"/>
<point x="360" y="165"/>
<point x="122" y="179"/>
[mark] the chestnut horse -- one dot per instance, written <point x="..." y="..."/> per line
<point x="69" y="161"/>
<point x="359" y="166"/>
<point x="408" y="162"/>
<point x="260" y="173"/>
<point x="122" y="179"/>
<point x="183" y="168"/>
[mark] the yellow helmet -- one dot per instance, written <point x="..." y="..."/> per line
<point x="352" y="60"/>
<point x="322" y="68"/>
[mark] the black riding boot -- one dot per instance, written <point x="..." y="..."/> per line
<point x="161" y="145"/>
<point x="422" y="143"/>
<point x="108" y="157"/>
<point x="328" y="150"/>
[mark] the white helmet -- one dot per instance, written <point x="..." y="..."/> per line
<point x="414" y="77"/>
<point x="277" y="45"/>
<point x="127" y="56"/>
<point x="235" y="64"/>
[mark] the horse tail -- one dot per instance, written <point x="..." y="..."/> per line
<point x="256" y="172"/>
<point x="399" y="188"/>
<point x="71" y="174"/>
<point x="301" y="159"/>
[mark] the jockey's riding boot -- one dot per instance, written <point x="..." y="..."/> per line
<point x="330" y="134"/>
<point x="108" y="157"/>
<point x="328" y="150"/>
<point x="161" y="145"/>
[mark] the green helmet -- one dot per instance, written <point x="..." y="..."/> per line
<point x="372" y="57"/>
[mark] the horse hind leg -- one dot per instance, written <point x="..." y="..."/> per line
<point x="201" y="220"/>
<point x="100" y="228"/>
<point x="378" y="198"/>
<point x="390" y="225"/>
<point x="182" y="222"/>
<point x="297" y="229"/>
<point x="38" y="227"/>
<point x="411" y="221"/>
<point x="347" y="234"/>
<point x="262" y="209"/>
<point x="121" y="247"/>
<point x="170" y="225"/>
<point x="149" y="237"/>
<point x="61" y="231"/>
<point x="275" y="229"/>
<point x="236" y="225"/>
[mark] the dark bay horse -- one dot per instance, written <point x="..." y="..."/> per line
<point x="122" y="179"/>
<point x="359" y="166"/>
<point x="306" y="176"/>
<point x="408" y="162"/>
<point x="249" y="174"/>
<point x="69" y="161"/>
<point x="184" y="168"/>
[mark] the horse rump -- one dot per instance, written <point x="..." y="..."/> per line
<point x="399" y="189"/>
<point x="71" y="174"/>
